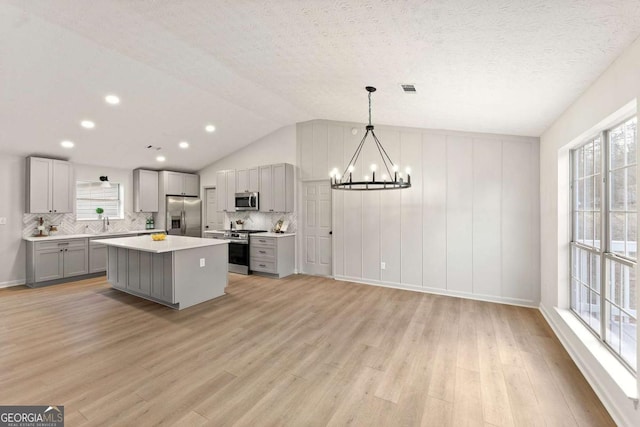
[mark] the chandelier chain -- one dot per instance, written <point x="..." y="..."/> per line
<point x="369" y="108"/>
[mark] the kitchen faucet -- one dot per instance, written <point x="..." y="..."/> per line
<point x="105" y="223"/>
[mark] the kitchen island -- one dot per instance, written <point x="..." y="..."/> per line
<point x="178" y="272"/>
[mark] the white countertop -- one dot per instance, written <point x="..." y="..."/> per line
<point x="89" y="235"/>
<point x="270" y="234"/>
<point x="170" y="244"/>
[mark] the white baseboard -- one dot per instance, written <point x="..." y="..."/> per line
<point x="12" y="283"/>
<point x="622" y="405"/>
<point x="445" y="292"/>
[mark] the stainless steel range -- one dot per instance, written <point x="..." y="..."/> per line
<point x="239" y="249"/>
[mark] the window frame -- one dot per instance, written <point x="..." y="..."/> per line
<point x="120" y="201"/>
<point x="604" y="251"/>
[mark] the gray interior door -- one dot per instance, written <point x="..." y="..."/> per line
<point x="316" y="245"/>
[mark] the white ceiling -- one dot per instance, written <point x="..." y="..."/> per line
<point x="251" y="67"/>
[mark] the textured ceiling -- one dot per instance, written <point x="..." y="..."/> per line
<point x="251" y="67"/>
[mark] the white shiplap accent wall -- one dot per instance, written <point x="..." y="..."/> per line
<point x="469" y="225"/>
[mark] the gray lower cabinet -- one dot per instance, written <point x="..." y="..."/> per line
<point x="142" y="273"/>
<point x="49" y="265"/>
<point x="55" y="260"/>
<point x="272" y="255"/>
<point x="97" y="257"/>
<point x="75" y="261"/>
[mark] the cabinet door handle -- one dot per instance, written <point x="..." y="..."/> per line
<point x="262" y="252"/>
<point x="262" y="265"/>
<point x="49" y="210"/>
<point x="61" y="250"/>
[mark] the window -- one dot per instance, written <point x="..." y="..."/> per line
<point x="91" y="195"/>
<point x="604" y="238"/>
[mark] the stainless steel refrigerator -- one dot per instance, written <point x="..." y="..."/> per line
<point x="184" y="216"/>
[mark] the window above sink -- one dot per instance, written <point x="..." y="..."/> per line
<point x="91" y="195"/>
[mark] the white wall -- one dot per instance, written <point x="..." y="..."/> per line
<point x="124" y="177"/>
<point x="277" y="147"/>
<point x="598" y="107"/>
<point x="468" y="226"/>
<point x="12" y="194"/>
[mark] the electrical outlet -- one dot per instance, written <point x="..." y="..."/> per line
<point x="201" y="262"/>
<point x="3" y="221"/>
<point x="383" y="265"/>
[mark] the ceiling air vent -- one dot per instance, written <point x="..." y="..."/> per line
<point x="408" y="88"/>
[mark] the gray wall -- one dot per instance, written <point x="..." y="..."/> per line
<point x="12" y="193"/>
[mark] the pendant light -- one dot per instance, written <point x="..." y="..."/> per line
<point x="392" y="180"/>
<point x="105" y="182"/>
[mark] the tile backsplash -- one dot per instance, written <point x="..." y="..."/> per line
<point x="67" y="223"/>
<point x="261" y="220"/>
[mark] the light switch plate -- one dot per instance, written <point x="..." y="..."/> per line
<point x="201" y="262"/>
<point x="3" y="220"/>
<point x="383" y="266"/>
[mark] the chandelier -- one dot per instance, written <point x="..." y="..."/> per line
<point x="391" y="180"/>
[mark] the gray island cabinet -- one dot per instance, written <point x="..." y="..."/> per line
<point x="178" y="272"/>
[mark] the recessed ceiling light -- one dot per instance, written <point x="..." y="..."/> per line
<point x="67" y="144"/>
<point x="87" y="124"/>
<point x="183" y="144"/>
<point x="161" y="158"/>
<point x="210" y="128"/>
<point x="112" y="99"/>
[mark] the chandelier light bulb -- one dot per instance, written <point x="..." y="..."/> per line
<point x="396" y="168"/>
<point x="351" y="168"/>
<point x="385" y="177"/>
<point x="338" y="177"/>
<point x="367" y="178"/>
<point x="408" y="170"/>
<point x="374" y="167"/>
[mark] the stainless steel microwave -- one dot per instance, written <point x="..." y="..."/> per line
<point x="247" y="202"/>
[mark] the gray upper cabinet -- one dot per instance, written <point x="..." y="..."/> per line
<point x="247" y="180"/>
<point x="49" y="186"/>
<point x="180" y="184"/>
<point x="226" y="190"/>
<point x="191" y="185"/>
<point x="266" y="189"/>
<point x="145" y="190"/>
<point x="276" y="188"/>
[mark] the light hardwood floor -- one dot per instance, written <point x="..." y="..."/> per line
<point x="301" y="351"/>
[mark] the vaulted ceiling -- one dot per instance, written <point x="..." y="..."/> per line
<point x="251" y="67"/>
